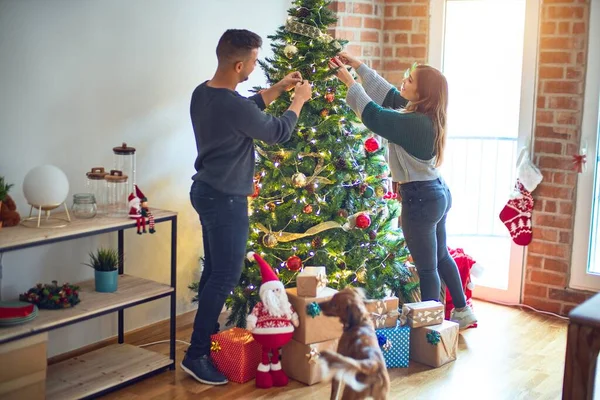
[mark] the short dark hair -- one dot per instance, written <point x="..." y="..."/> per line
<point x="236" y="44"/>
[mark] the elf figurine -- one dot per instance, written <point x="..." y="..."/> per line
<point x="272" y="323"/>
<point x="138" y="210"/>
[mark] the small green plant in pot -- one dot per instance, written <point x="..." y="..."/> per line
<point x="4" y="189"/>
<point x="106" y="264"/>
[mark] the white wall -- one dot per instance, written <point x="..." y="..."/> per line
<point x="78" y="78"/>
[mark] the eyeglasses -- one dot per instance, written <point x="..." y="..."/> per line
<point x="410" y="70"/>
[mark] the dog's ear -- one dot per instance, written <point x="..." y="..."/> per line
<point x="353" y="315"/>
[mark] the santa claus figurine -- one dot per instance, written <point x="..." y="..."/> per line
<point x="138" y="210"/>
<point x="272" y="323"/>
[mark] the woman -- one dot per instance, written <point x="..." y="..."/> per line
<point x="416" y="128"/>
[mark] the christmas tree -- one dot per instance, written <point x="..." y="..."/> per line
<point x="322" y="198"/>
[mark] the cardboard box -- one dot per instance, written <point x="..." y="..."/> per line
<point x="311" y="281"/>
<point x="384" y="312"/>
<point x="314" y="329"/>
<point x="434" y="345"/>
<point x="23" y="368"/>
<point x="301" y="361"/>
<point x="424" y="313"/>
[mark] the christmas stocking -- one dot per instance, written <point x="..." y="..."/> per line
<point x="516" y="215"/>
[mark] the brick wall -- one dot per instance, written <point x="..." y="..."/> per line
<point x="405" y="36"/>
<point x="392" y="34"/>
<point x="562" y="60"/>
<point x="388" y="34"/>
<point x="361" y="23"/>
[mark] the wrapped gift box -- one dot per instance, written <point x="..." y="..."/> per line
<point x="424" y="313"/>
<point x="314" y="326"/>
<point x="236" y="354"/>
<point x="395" y="345"/>
<point x="384" y="312"/>
<point x="23" y="368"/>
<point x="300" y="361"/>
<point x="311" y="281"/>
<point x="434" y="345"/>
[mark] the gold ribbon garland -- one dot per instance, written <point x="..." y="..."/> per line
<point x="293" y="25"/>
<point x="288" y="237"/>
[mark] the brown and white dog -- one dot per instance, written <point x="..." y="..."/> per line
<point x="358" y="363"/>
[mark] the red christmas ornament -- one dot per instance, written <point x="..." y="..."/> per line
<point x="256" y="191"/>
<point x="329" y="97"/>
<point x="256" y="187"/>
<point x="307" y="209"/>
<point x="363" y="221"/>
<point x="371" y="145"/>
<point x="294" y="263"/>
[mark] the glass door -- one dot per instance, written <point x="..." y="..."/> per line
<point x="491" y="67"/>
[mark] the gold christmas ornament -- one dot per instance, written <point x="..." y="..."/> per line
<point x="269" y="240"/>
<point x="290" y="50"/>
<point x="379" y="191"/>
<point x="299" y="180"/>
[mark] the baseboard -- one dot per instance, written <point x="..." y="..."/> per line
<point x="149" y="333"/>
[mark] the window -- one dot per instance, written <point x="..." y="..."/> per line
<point x="491" y="71"/>
<point x="585" y="261"/>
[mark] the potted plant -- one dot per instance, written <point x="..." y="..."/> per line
<point x="4" y="189"/>
<point x="105" y="263"/>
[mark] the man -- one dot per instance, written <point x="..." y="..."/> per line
<point x="225" y="125"/>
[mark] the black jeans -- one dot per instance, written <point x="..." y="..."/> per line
<point x="225" y="228"/>
<point x="425" y="205"/>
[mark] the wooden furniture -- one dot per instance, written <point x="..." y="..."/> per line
<point x="114" y="366"/>
<point x="583" y="346"/>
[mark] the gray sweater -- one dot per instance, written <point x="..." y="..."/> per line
<point x="411" y="135"/>
<point x="225" y="125"/>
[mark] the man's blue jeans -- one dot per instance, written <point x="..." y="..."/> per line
<point x="225" y="229"/>
<point x="425" y="205"/>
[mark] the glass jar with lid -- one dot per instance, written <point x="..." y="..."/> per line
<point x="84" y="205"/>
<point x="117" y="190"/>
<point x="124" y="161"/>
<point x="96" y="184"/>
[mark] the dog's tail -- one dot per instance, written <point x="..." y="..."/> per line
<point x="345" y="368"/>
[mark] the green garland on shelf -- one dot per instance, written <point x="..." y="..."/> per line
<point x="52" y="296"/>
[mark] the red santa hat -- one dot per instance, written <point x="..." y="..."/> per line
<point x="139" y="193"/>
<point x="269" y="279"/>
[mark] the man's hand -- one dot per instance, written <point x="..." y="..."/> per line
<point x="303" y="91"/>
<point x="290" y="80"/>
<point x="302" y="94"/>
<point x="342" y="73"/>
<point x="349" y="60"/>
<point x="287" y="83"/>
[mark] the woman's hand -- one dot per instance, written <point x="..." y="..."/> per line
<point x="349" y="60"/>
<point x="342" y="73"/>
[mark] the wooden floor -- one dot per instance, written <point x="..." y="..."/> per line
<point x="513" y="354"/>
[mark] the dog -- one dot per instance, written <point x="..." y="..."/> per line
<point x="358" y="363"/>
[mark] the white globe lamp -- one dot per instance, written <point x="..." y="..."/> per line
<point x="45" y="188"/>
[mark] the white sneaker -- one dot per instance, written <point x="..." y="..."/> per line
<point x="464" y="318"/>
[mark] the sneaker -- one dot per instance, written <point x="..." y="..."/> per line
<point x="464" y="318"/>
<point x="203" y="370"/>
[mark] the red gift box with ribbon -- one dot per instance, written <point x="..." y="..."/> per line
<point x="236" y="354"/>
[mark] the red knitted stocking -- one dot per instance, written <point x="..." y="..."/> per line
<point x="516" y="215"/>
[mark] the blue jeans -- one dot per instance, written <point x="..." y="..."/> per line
<point x="225" y="229"/>
<point x="425" y="205"/>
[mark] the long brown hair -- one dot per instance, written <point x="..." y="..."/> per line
<point x="432" y="89"/>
